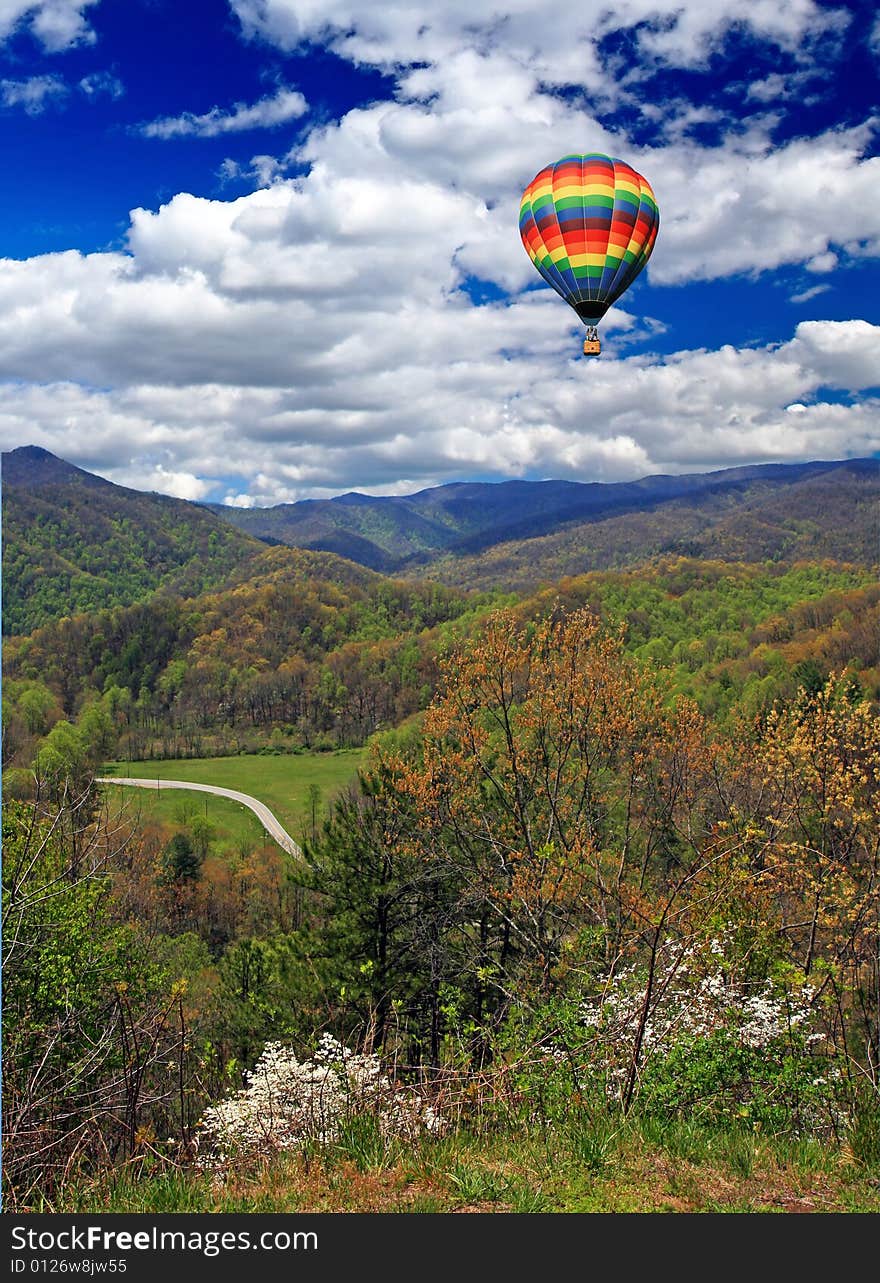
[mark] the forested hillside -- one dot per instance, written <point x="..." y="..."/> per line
<point x="833" y="513"/>
<point x="321" y="652"/>
<point x="75" y="542"/>
<point x="313" y="644"/>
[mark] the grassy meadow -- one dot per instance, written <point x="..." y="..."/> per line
<point x="285" y="783"/>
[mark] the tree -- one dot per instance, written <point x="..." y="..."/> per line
<point x="539" y="773"/>
<point x="808" y="676"/>
<point x="383" y="930"/>
<point x="62" y="760"/>
<point x="815" y="808"/>
<point x="37" y="704"/>
<point x="264" y="992"/>
<point x="181" y="861"/>
<point x="88" y="1019"/>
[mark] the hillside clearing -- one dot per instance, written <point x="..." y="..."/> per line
<point x="285" y="783"/>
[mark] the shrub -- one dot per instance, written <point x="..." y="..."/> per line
<point x="721" y="1051"/>
<point x="286" y="1102"/>
<point x="713" y="1050"/>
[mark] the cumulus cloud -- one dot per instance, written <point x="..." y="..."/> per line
<point x="56" y="24"/>
<point x="483" y="120"/>
<point x="821" y="263"/>
<point x="313" y="401"/>
<point x="574" y="48"/>
<point x="182" y="485"/>
<point x="560" y="41"/>
<point x="749" y="206"/>
<point x="478" y="106"/>
<point x="844" y="354"/>
<point x="725" y="210"/>
<point x="276" y="109"/>
<point x="33" y="95"/>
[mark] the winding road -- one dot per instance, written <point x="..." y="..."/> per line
<point x="260" y="810"/>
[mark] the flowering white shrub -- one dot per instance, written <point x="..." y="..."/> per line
<point x="687" y="1005"/>
<point x="286" y="1101"/>
<point x="709" y="1043"/>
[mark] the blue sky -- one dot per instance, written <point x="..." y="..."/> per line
<point x="258" y="250"/>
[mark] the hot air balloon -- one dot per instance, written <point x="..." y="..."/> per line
<point x="589" y="223"/>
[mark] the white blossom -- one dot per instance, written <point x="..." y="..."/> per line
<point x="286" y="1101"/>
<point x="693" y="997"/>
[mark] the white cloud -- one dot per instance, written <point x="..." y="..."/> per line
<point x="677" y="119"/>
<point x="56" y="24"/>
<point x="37" y="93"/>
<point x="101" y="84"/>
<point x="276" y="109"/>
<point x="558" y="40"/>
<point x="33" y="95"/>
<point x="749" y="206"/>
<point x="182" y="485"/>
<point x="766" y="90"/>
<point x="843" y="354"/>
<point x="805" y="295"/>
<point x="260" y="171"/>
<point x="822" y="262"/>
<point x="724" y="210"/>
<point x="779" y="86"/>
<point x="482" y="123"/>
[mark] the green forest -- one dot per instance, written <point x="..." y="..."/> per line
<point x="73" y="542"/>
<point x="586" y="916"/>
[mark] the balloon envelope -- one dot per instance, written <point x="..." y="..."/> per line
<point x="589" y="223"/>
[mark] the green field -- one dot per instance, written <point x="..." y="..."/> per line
<point x="283" y="782"/>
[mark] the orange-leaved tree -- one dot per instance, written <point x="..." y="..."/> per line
<point x="574" y="800"/>
<point x="815" y="803"/>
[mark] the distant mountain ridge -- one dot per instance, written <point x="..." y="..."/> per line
<point x="403" y="533"/>
<point x="831" y="514"/>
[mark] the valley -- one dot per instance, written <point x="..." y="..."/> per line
<point x="587" y="785"/>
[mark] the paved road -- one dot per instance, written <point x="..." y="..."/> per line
<point x="260" y="810"/>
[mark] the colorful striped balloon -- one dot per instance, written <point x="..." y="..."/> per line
<point x="589" y="223"/>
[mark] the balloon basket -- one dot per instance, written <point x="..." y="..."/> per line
<point x="592" y="346"/>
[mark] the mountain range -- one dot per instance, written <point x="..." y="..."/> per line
<point x="406" y="533"/>
<point x="73" y="541"/>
